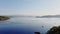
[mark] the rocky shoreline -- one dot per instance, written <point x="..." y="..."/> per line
<point x="2" y="18"/>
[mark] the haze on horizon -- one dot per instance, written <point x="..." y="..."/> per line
<point x="29" y="7"/>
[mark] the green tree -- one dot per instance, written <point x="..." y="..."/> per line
<point x="54" y="30"/>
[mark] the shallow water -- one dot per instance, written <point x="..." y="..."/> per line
<point x="26" y="25"/>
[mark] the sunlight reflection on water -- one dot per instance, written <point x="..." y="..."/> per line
<point x="29" y="25"/>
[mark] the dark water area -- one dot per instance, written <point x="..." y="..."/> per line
<point x="25" y="25"/>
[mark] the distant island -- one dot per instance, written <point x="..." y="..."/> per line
<point x="49" y="16"/>
<point x="2" y="18"/>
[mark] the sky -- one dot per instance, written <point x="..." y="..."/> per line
<point x="29" y="7"/>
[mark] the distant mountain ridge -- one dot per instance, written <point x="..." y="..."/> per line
<point x="45" y="16"/>
<point x="49" y="16"/>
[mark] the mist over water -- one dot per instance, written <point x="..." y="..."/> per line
<point x="24" y="25"/>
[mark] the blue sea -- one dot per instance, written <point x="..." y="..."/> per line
<point x="27" y="25"/>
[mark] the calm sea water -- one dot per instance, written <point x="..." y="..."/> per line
<point x="26" y="25"/>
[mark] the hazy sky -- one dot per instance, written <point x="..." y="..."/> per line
<point x="29" y="7"/>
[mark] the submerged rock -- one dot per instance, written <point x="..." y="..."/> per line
<point x="37" y="32"/>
